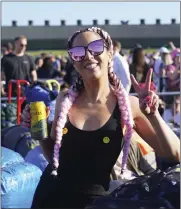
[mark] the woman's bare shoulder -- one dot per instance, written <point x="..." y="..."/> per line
<point x="134" y="101"/>
<point x="61" y="95"/>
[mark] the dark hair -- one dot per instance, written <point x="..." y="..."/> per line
<point x="20" y="38"/>
<point x="8" y="46"/>
<point x="46" y="62"/>
<point x="43" y="54"/>
<point x="116" y="44"/>
<point x="98" y="31"/>
<point x="136" y="52"/>
<point x="37" y="59"/>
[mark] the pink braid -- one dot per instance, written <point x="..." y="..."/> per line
<point x="62" y="119"/>
<point x="126" y="114"/>
<point x="123" y="99"/>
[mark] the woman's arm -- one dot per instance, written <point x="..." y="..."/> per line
<point x="172" y="45"/>
<point x="154" y="130"/>
<point x="167" y="138"/>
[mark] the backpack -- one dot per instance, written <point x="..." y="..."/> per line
<point x="156" y="190"/>
<point x="39" y="92"/>
<point x="18" y="138"/>
<point x="8" y="114"/>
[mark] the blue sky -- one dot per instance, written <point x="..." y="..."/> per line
<point x="87" y="11"/>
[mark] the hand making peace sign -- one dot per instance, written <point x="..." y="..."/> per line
<point x="149" y="101"/>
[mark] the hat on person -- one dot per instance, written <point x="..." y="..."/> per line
<point x="178" y="54"/>
<point x="164" y="50"/>
<point x="175" y="52"/>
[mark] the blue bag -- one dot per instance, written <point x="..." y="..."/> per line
<point x="38" y="92"/>
<point x="36" y="157"/>
<point x="19" y="180"/>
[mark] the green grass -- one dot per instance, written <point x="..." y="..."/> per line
<point x="54" y="52"/>
<point x="64" y="52"/>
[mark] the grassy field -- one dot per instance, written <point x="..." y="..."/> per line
<point x="64" y="52"/>
<point x="54" y="52"/>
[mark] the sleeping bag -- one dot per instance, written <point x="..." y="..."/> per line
<point x="18" y="138"/>
<point x="19" y="180"/>
<point x="36" y="157"/>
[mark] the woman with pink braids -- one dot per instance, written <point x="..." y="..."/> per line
<point x="87" y="133"/>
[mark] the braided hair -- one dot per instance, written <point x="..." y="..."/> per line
<point x="119" y="91"/>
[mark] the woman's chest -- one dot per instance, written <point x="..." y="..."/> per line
<point x="89" y="119"/>
<point x="96" y="145"/>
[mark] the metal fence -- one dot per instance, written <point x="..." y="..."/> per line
<point x="175" y="93"/>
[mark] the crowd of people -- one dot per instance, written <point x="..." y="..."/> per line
<point x="97" y="109"/>
<point x="16" y="64"/>
<point x="95" y="121"/>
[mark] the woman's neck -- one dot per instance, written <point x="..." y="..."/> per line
<point x="97" y="91"/>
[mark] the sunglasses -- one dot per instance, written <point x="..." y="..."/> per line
<point x="78" y="53"/>
<point x="23" y="45"/>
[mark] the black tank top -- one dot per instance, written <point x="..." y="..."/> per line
<point x="87" y="157"/>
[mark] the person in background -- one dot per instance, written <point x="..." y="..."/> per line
<point x="38" y="62"/>
<point x="56" y="63"/>
<point x="120" y="66"/>
<point x="156" y="66"/>
<point x="172" y="115"/>
<point x="43" y="55"/>
<point x="173" y="74"/>
<point x="166" y="61"/>
<point x="152" y="61"/>
<point x="139" y="68"/>
<point x="147" y="59"/>
<point x="47" y="70"/>
<point x="71" y="73"/>
<point x="64" y="61"/>
<point x="17" y="64"/>
<point x="174" y="49"/>
<point x="161" y="107"/>
<point x="130" y="57"/>
<point x="6" y="48"/>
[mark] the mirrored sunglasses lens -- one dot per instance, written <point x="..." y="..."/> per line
<point x="97" y="47"/>
<point x="77" y="53"/>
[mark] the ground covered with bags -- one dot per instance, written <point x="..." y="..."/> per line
<point x="161" y="189"/>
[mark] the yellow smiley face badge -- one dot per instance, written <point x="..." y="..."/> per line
<point x="106" y="140"/>
<point x="65" y="130"/>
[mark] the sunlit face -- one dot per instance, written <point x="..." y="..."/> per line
<point x="40" y="62"/>
<point x="21" y="45"/>
<point x="91" y="67"/>
<point x="176" y="104"/>
<point x="177" y="60"/>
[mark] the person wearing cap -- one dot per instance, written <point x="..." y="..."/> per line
<point x="120" y="66"/>
<point x="173" y="74"/>
<point x="162" y="58"/>
<point x="174" y="49"/>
